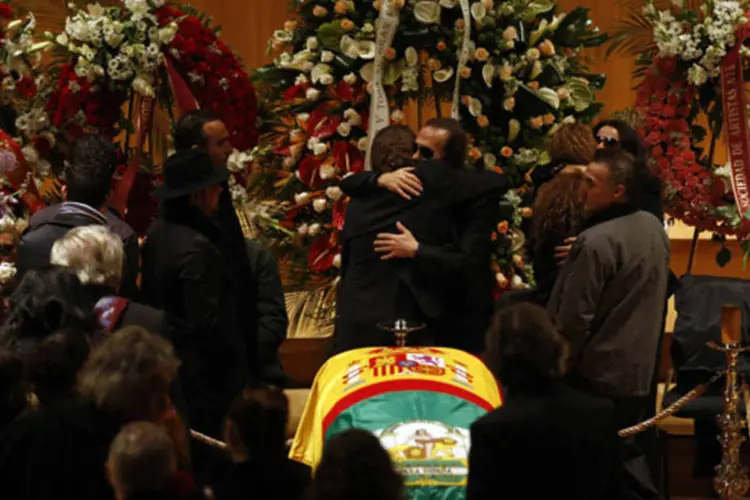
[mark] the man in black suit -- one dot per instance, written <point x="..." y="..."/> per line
<point x="88" y="183"/>
<point x="377" y="289"/>
<point x="547" y="440"/>
<point x="462" y="261"/>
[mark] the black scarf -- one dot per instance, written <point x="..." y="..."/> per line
<point x="181" y="212"/>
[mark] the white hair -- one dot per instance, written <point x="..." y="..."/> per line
<point x="95" y="253"/>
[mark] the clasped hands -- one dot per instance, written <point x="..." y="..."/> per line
<point x="406" y="184"/>
<point x="403" y="245"/>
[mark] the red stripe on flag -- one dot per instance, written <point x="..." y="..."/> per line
<point x="400" y="386"/>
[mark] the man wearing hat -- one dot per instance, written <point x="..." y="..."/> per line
<point x="185" y="274"/>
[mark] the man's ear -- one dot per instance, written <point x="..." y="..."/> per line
<point x="619" y="192"/>
<point x="64" y="192"/>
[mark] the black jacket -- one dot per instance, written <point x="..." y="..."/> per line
<point x="52" y="223"/>
<point x="373" y="290"/>
<point x="561" y="444"/>
<point x="285" y="481"/>
<point x="185" y="275"/>
<point x="270" y="312"/>
<point x="58" y="451"/>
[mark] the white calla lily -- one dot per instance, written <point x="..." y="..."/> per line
<point x="489" y="71"/>
<point x="427" y="12"/>
<point x="549" y="96"/>
<point x="318" y="71"/>
<point x="475" y="107"/>
<point x="411" y="56"/>
<point x="478" y="11"/>
<point x="443" y="75"/>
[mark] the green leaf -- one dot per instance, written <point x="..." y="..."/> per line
<point x="330" y="34"/>
<point x="535" y="8"/>
<point x="580" y="94"/>
<point x="723" y="256"/>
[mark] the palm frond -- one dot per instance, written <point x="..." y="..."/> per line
<point x="632" y="33"/>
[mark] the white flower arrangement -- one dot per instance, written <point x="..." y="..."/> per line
<point x="702" y="42"/>
<point x="130" y="40"/>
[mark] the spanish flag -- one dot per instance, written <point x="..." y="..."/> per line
<point x="419" y="401"/>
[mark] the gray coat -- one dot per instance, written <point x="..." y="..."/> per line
<point x="609" y="302"/>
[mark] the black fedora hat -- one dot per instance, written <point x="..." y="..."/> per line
<point x="188" y="172"/>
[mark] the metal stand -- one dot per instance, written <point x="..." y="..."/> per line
<point x="401" y="330"/>
<point x="731" y="481"/>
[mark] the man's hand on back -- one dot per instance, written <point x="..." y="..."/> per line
<point x="404" y="182"/>
<point x="393" y="246"/>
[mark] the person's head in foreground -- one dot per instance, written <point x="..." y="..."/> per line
<point x="572" y="144"/>
<point x="46" y="301"/>
<point x="141" y="461"/>
<point x="524" y="350"/>
<point x="256" y="426"/>
<point x="610" y="180"/>
<point x="618" y="134"/>
<point x="443" y="139"/>
<point x="192" y="180"/>
<point x="129" y="376"/>
<point x="94" y="253"/>
<point x="88" y="176"/>
<point x="393" y="149"/>
<point x="355" y="466"/>
<point x="204" y="130"/>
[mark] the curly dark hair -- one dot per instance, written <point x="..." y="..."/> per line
<point x="629" y="140"/>
<point x="558" y="210"/>
<point x="53" y="363"/>
<point x="393" y="148"/>
<point x="13" y="394"/>
<point x="524" y="349"/>
<point x="572" y="144"/>
<point x="88" y="178"/>
<point x="356" y="467"/>
<point x="456" y="146"/>
<point x="46" y="301"/>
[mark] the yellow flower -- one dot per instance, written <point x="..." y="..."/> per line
<point x="498" y="169"/>
<point x="563" y="93"/>
<point x="506" y="72"/>
<point x="481" y="54"/>
<point x="466" y="72"/>
<point x="290" y="25"/>
<point x="460" y="25"/>
<point x="466" y="100"/>
<point x="527" y="212"/>
<point x="537" y="122"/>
<point x="483" y="121"/>
<point x="320" y="11"/>
<point x="347" y="25"/>
<point x="441" y="46"/>
<point x="507" y="151"/>
<point x="547" y="48"/>
<point x="390" y="53"/>
<point x="475" y="154"/>
<point x="510" y="34"/>
<point x="509" y="104"/>
<point x="549" y="119"/>
<point x="502" y="227"/>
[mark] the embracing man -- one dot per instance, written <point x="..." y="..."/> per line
<point x="402" y="254"/>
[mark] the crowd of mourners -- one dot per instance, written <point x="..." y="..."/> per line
<point x="112" y="349"/>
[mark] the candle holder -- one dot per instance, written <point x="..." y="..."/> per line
<point x="731" y="481"/>
<point x="401" y="329"/>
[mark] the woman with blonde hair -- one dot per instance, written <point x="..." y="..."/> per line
<point x="558" y="208"/>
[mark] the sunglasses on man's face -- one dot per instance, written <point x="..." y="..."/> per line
<point x="425" y="153"/>
<point x="607" y="141"/>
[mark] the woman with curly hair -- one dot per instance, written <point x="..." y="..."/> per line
<point x="355" y="466"/>
<point x="558" y="208"/>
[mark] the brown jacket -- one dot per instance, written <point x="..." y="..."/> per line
<point x="609" y="301"/>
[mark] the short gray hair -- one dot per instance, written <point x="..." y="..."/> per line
<point x="94" y="253"/>
<point x="130" y="374"/>
<point x="141" y="458"/>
